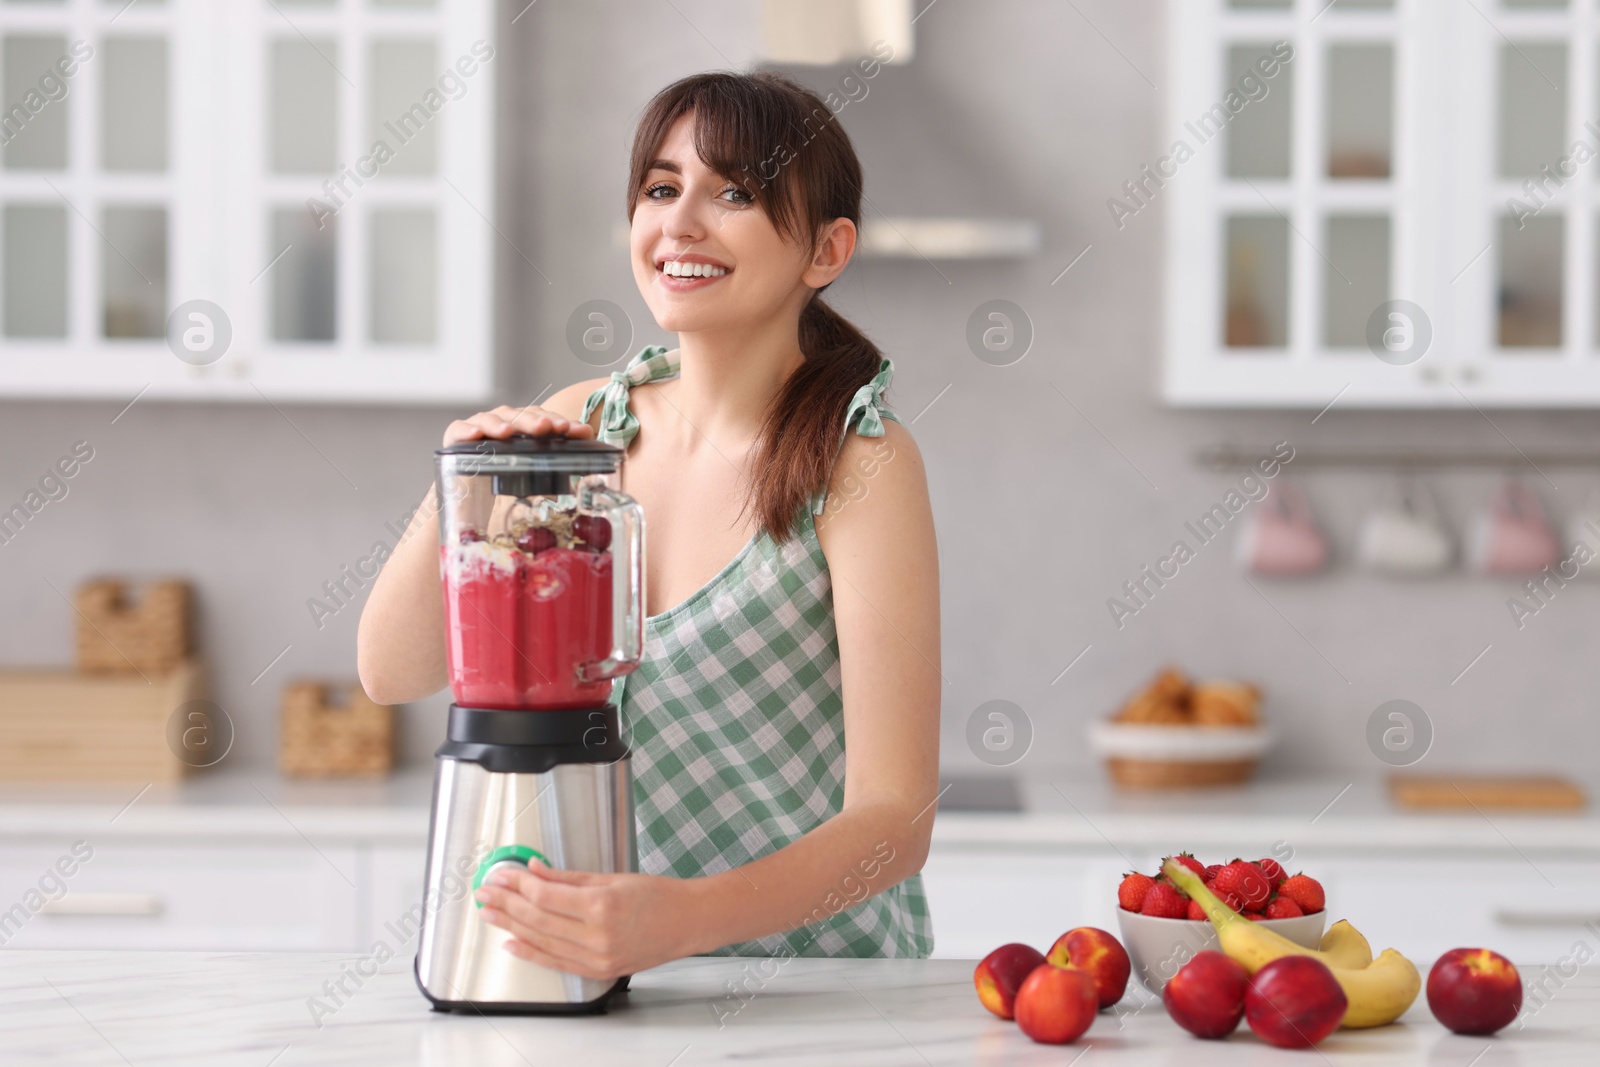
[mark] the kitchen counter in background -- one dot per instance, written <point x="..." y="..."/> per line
<point x="272" y="1008"/>
<point x="1061" y="808"/>
<point x="230" y="861"/>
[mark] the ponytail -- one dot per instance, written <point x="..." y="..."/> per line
<point x="800" y="435"/>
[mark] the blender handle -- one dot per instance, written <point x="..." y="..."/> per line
<point x="627" y="612"/>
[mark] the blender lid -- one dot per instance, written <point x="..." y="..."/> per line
<point x="540" y="452"/>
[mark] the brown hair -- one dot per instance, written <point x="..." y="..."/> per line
<point x="780" y="142"/>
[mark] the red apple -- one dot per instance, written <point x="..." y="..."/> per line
<point x="1000" y="975"/>
<point x="1474" y="990"/>
<point x="1206" y="996"/>
<point x="1091" y="949"/>
<point x="1294" y="1002"/>
<point x="1056" y="1004"/>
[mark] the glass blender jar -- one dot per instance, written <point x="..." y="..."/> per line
<point x="541" y="558"/>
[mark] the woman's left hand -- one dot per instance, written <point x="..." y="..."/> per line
<point x="595" y="925"/>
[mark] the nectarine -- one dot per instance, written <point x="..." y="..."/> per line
<point x="1056" y="1004"/>
<point x="1206" y="996"/>
<point x="1090" y="949"/>
<point x="1000" y="974"/>
<point x="1294" y="1002"/>
<point x="1474" y="990"/>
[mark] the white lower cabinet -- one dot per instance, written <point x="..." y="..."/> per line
<point x="350" y="897"/>
<point x="980" y="899"/>
<point x="395" y="900"/>
<point x="1531" y="910"/>
<point x="189" y="896"/>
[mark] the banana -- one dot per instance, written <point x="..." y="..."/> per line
<point x="1343" y="946"/>
<point x="1378" y="993"/>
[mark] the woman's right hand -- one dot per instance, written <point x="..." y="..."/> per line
<point x="505" y="420"/>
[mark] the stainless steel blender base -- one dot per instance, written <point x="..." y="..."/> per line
<point x="577" y="816"/>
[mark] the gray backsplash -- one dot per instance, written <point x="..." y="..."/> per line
<point x="1011" y="108"/>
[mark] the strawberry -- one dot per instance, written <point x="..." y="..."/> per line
<point x="1196" y="912"/>
<point x="1245" y="881"/>
<point x="1231" y="900"/>
<point x="1131" y="893"/>
<point x="1254" y="916"/>
<point x="1282" y="907"/>
<point x="1304" y="891"/>
<point x="1164" y="902"/>
<point x="1190" y="862"/>
<point x="1273" y="870"/>
<point x="1211" y="873"/>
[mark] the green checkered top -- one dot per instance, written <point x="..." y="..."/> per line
<point x="736" y="720"/>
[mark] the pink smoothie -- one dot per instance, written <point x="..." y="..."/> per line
<point x="518" y="625"/>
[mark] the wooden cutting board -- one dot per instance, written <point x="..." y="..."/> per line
<point x="1486" y="792"/>
<point x="64" y="726"/>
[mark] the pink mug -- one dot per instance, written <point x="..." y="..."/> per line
<point x="1284" y="538"/>
<point x="1513" y="536"/>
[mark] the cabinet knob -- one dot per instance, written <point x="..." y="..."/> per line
<point x="1555" y="919"/>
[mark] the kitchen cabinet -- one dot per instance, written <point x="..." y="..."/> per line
<point x="1525" y="909"/>
<point x="189" y="896"/>
<point x="391" y="911"/>
<point x="233" y="201"/>
<point x="236" y="863"/>
<point x="1390" y="203"/>
<point x="1423" y="906"/>
<point x="980" y="898"/>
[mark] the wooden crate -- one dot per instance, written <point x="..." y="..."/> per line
<point x="334" y="730"/>
<point x="66" y="726"/>
<point x="128" y="627"/>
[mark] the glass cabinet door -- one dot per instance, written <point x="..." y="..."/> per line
<point x="1403" y="214"/>
<point x="309" y="180"/>
<point x="1292" y="225"/>
<point x="1530" y="176"/>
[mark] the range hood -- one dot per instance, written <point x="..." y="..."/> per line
<point x="825" y="32"/>
<point x="928" y="237"/>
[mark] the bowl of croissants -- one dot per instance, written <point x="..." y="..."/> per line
<point x="1177" y="733"/>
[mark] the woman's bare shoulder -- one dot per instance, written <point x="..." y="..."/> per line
<point x="569" y="402"/>
<point x="876" y="481"/>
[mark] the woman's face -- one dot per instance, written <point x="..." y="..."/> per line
<point x="689" y="218"/>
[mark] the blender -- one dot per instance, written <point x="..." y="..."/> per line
<point x="541" y="559"/>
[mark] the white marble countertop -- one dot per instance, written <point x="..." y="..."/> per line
<point x="1064" y="808"/>
<point x="255" y="1010"/>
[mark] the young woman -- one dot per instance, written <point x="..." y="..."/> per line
<point x="784" y="721"/>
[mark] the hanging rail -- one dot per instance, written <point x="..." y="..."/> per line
<point x="1229" y="457"/>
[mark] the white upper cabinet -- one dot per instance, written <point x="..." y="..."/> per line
<point x="1388" y="202"/>
<point x="250" y="199"/>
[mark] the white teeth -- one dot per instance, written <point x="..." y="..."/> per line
<point x="680" y="269"/>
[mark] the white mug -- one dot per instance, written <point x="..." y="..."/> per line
<point x="1405" y="536"/>
<point x="1584" y="529"/>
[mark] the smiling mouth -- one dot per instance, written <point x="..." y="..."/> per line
<point x="674" y="268"/>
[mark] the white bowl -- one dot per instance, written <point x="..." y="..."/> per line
<point x="1199" y="744"/>
<point x="1158" y="947"/>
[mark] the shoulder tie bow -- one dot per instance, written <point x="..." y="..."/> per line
<point x="618" y="424"/>
<point x="867" y="404"/>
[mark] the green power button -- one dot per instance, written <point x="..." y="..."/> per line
<point x="520" y="853"/>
